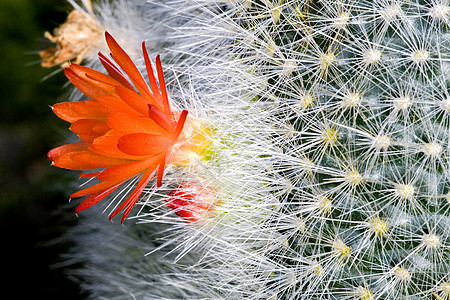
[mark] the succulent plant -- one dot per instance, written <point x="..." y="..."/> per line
<point x="328" y="162"/>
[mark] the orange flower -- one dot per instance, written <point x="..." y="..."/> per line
<point x="125" y="130"/>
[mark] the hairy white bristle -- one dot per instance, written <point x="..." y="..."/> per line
<point x="420" y="56"/>
<point x="391" y="11"/>
<point x="433" y="150"/>
<point x="404" y="191"/>
<point x="371" y="56"/>
<point x="431" y="240"/>
<point x="402" y="274"/>
<point x="440" y="11"/>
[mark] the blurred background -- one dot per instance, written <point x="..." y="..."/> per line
<point x="32" y="195"/>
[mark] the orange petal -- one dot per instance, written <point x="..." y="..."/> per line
<point x="88" y="138"/>
<point x="124" y="123"/>
<point x="67" y="161"/>
<point x="115" y="104"/>
<point x="65" y="112"/>
<point x="127" y="65"/>
<point x="94" y="76"/>
<point x="86" y="160"/>
<point x="65" y="149"/>
<point x="143" y="144"/>
<point x="180" y="125"/>
<point x="95" y="198"/>
<point x="160" y="118"/>
<point x="125" y="171"/>
<point x="89" y="109"/>
<point x="90" y="127"/>
<point x="162" y="165"/>
<point x="97" y="160"/>
<point x="96" y="188"/>
<point x="131" y="200"/>
<point x="73" y="111"/>
<point x="162" y="85"/>
<point x="151" y="77"/>
<point x="133" y="99"/>
<point x="107" y="145"/>
<point x="91" y="88"/>
<point x="91" y="133"/>
<point x="113" y="71"/>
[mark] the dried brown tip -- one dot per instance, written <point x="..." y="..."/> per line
<point x="75" y="38"/>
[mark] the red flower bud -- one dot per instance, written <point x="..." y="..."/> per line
<point x="190" y="202"/>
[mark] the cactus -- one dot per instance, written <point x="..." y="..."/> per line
<point x="328" y="170"/>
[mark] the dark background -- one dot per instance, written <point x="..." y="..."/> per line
<point x="32" y="194"/>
